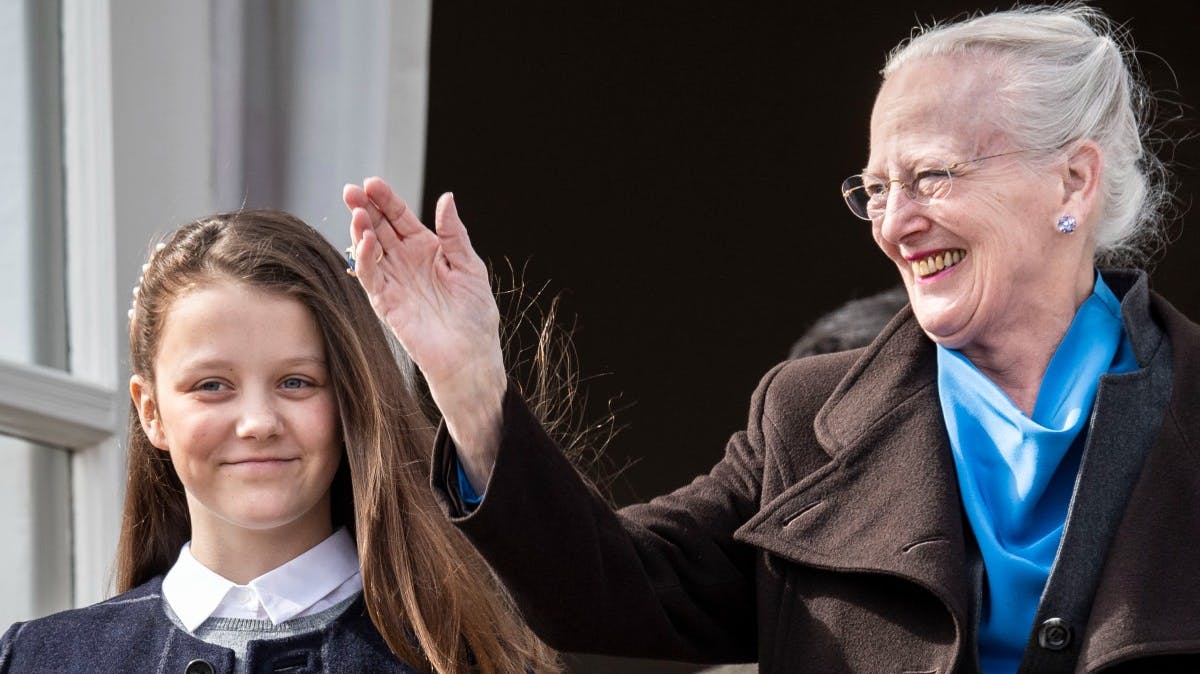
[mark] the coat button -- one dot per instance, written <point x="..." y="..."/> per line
<point x="198" y="667"/>
<point x="1055" y="634"/>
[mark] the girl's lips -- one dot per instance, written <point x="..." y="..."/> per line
<point x="260" y="465"/>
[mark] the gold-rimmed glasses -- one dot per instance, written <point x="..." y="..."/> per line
<point x="866" y="195"/>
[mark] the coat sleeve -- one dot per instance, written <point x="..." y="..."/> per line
<point x="663" y="579"/>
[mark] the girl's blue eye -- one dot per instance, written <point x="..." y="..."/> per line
<point x="209" y="386"/>
<point x="294" y="383"/>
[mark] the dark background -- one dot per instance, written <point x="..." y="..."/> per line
<point x="673" y="167"/>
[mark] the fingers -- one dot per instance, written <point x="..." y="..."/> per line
<point x="393" y="208"/>
<point x="354" y="196"/>
<point x="366" y="247"/>
<point x="376" y="209"/>
<point x="360" y="221"/>
<point x="452" y="233"/>
<point x="391" y="227"/>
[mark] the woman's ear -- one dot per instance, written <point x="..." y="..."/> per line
<point x="143" y="399"/>
<point x="1081" y="180"/>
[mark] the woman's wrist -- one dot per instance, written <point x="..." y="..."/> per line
<point x="472" y="408"/>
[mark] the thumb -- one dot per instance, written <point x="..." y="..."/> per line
<point x="452" y="233"/>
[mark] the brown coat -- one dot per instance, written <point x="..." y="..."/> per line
<point x="831" y="537"/>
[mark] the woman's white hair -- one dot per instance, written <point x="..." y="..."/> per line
<point x="1069" y="73"/>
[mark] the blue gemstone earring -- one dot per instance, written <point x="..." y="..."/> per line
<point x="350" y="265"/>
<point x="1066" y="224"/>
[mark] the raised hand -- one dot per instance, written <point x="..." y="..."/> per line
<point x="432" y="290"/>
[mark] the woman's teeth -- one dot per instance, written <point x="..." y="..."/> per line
<point x="935" y="263"/>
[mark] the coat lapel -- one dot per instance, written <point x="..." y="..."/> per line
<point x="1148" y="597"/>
<point x="887" y="501"/>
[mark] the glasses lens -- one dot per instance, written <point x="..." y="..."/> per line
<point x="855" y="194"/>
<point x="929" y="185"/>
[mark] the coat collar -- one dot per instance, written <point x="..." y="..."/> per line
<point x="887" y="502"/>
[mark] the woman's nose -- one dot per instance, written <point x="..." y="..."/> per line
<point x="901" y="217"/>
<point x="258" y="419"/>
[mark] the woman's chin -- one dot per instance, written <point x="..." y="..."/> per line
<point x="943" y="329"/>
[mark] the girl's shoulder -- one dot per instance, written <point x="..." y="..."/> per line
<point x="88" y="632"/>
<point x="143" y="599"/>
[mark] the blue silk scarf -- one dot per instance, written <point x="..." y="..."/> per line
<point x="1016" y="474"/>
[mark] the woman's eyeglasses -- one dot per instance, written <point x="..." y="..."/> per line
<point x="867" y="195"/>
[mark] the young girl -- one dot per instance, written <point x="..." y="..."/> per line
<point x="278" y="515"/>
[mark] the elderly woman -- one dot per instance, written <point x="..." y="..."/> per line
<point x="1005" y="479"/>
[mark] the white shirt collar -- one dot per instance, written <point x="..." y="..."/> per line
<point x="314" y="581"/>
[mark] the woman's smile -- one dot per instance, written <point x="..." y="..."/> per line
<point x="928" y="266"/>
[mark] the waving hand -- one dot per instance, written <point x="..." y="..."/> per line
<point x="432" y="290"/>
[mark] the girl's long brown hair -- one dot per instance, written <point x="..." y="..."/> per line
<point x="430" y="595"/>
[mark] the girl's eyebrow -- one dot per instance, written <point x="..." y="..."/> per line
<point x="227" y="364"/>
<point x="304" y="360"/>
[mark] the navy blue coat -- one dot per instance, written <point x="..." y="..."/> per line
<point x="132" y="633"/>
